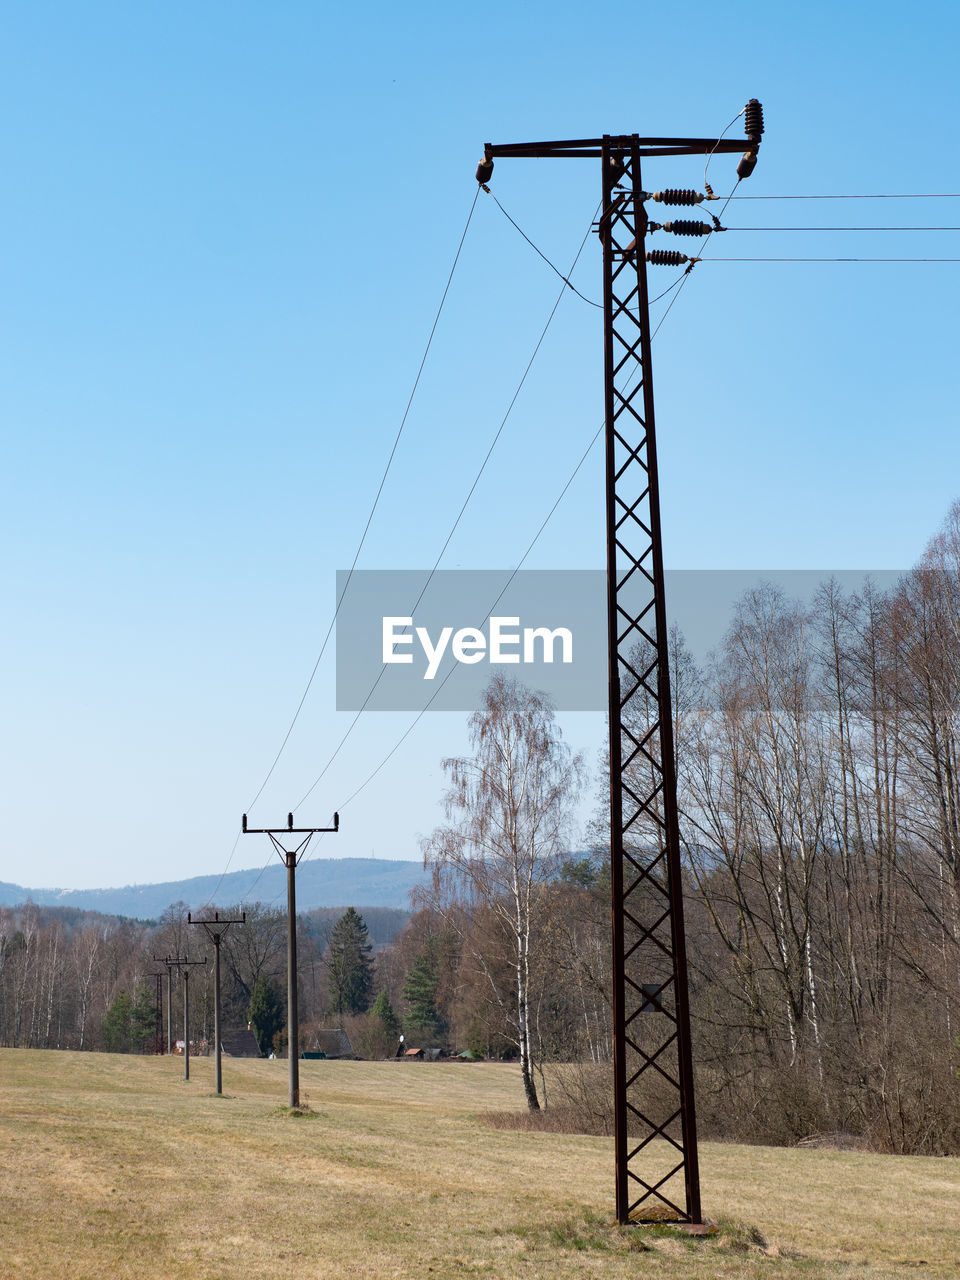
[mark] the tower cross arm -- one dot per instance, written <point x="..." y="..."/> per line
<point x="586" y="147"/>
<point x="289" y="828"/>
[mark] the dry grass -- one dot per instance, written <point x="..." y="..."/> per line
<point x="114" y="1167"/>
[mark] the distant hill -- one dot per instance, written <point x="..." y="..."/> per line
<point x="321" y="882"/>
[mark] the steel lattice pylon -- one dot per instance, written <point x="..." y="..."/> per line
<point x="655" y="1124"/>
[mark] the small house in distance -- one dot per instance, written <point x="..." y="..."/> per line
<point x="330" y="1042"/>
<point x="241" y="1043"/>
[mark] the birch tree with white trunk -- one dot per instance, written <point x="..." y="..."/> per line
<point x="508" y="807"/>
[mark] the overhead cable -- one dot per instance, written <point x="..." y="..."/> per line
<point x="830" y="259"/>
<point x="463" y="507"/>
<point x="537" y="250"/>
<point x="533" y="541"/>
<point x="906" y="195"/>
<point x="841" y="228"/>
<point x="363" y="536"/>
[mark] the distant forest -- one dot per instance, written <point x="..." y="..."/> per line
<point x="818" y="759"/>
<point x="63" y="971"/>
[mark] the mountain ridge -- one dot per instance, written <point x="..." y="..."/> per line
<point x="321" y="882"/>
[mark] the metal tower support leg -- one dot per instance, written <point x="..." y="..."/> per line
<point x="655" y="1126"/>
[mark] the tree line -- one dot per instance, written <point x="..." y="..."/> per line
<point x="72" y="979"/>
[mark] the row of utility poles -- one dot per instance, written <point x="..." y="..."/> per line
<point x="182" y="965"/>
<point x="215" y="928"/>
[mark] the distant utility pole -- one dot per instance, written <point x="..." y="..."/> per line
<point x="215" y="929"/>
<point x="654" y="1128"/>
<point x="182" y="964"/>
<point x="170" y="964"/>
<point x="158" y="1014"/>
<point x="290" y="858"/>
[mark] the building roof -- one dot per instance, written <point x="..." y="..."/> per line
<point x="240" y="1043"/>
<point x="334" y="1042"/>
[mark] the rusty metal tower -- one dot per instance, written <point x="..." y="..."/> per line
<point x="657" y="1171"/>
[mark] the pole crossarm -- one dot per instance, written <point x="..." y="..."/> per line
<point x="177" y="962"/>
<point x="274" y="832"/>
<point x="289" y="828"/>
<point x="216" y="927"/>
<point x="592" y="147"/>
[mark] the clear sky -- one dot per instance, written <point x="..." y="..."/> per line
<point x="226" y="229"/>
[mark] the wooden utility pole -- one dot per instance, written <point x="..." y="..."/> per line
<point x="290" y="859"/>
<point x="215" y="930"/>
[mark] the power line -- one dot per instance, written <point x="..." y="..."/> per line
<point x="556" y="269"/>
<point x="466" y="501"/>
<point x="841" y="228"/>
<point x="541" y="254"/>
<point x="436" y="693"/>
<point x="912" y="195"/>
<point x="516" y="570"/>
<point x="373" y="508"/>
<point x="831" y="259"/>
<point x="677" y="284"/>
<point x="360" y="544"/>
<point x="453" y="528"/>
<point x="706" y="163"/>
<point x="679" y="280"/>
<point x="530" y="546"/>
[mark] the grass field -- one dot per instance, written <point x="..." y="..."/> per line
<point x="113" y="1166"/>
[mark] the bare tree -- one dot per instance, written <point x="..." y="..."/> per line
<point x="86" y="953"/>
<point x="508" y="804"/>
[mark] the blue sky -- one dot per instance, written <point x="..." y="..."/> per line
<point x="226" y="233"/>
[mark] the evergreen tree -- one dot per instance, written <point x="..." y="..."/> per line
<point x="350" y="964"/>
<point x="143" y="1018"/>
<point x="420" y="991"/>
<point x="116" y="1025"/>
<point x="265" y="1013"/>
<point x="383" y="1010"/>
<point x="128" y="1024"/>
